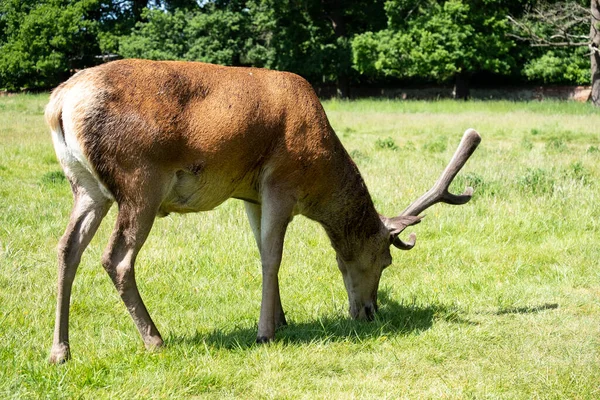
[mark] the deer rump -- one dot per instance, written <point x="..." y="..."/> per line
<point x="161" y="137"/>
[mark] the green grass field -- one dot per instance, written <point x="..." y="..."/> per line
<point x="500" y="298"/>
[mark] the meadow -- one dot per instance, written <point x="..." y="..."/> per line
<point x="500" y="298"/>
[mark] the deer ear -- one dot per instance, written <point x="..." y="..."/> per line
<point x="396" y="225"/>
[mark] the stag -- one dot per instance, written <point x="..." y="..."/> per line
<point x="162" y="137"/>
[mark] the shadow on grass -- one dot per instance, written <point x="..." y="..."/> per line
<point x="527" y="309"/>
<point x="392" y="319"/>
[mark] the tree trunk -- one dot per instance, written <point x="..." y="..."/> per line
<point x="334" y="10"/>
<point x="595" y="55"/>
<point x="461" y="86"/>
<point x="137" y="7"/>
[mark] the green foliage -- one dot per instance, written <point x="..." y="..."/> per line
<point x="537" y="181"/>
<point x="265" y="33"/>
<point x="382" y="53"/>
<point x="556" y="144"/>
<point x="593" y="150"/>
<point x="288" y="38"/>
<point x="440" y="40"/>
<point x="218" y="37"/>
<point x="559" y="32"/>
<point x="560" y="66"/>
<point x="310" y="37"/>
<point x="482" y="186"/>
<point x="577" y="172"/>
<point x="45" y="40"/>
<point x="386" y="144"/>
<point x="438" y="145"/>
<point x="160" y="37"/>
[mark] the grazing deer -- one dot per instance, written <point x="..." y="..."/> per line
<point x="161" y="137"/>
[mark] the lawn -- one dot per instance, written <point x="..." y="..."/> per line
<point x="500" y="298"/>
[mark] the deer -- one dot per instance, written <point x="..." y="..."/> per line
<point x="160" y="137"/>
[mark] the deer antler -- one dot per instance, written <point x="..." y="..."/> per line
<point x="439" y="192"/>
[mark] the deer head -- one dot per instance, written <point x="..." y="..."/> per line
<point x="362" y="270"/>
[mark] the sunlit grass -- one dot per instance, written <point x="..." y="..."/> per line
<point x="450" y="106"/>
<point x="499" y="299"/>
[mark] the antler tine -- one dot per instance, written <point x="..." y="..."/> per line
<point x="439" y="191"/>
<point x="409" y="244"/>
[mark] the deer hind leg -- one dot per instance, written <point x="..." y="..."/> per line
<point x="89" y="209"/>
<point x="254" y="212"/>
<point x="276" y="213"/>
<point x="134" y="221"/>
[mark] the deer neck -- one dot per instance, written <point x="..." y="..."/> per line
<point x="347" y="213"/>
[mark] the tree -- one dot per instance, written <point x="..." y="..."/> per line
<point x="439" y="40"/>
<point x="567" y="31"/>
<point x="159" y="36"/>
<point x="303" y="36"/>
<point x="595" y="50"/>
<point x="309" y="37"/>
<point x="210" y="34"/>
<point x="341" y="20"/>
<point x="327" y="41"/>
<point x="43" y="41"/>
<point x="294" y="36"/>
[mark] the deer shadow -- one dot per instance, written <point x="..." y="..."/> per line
<point x="393" y="319"/>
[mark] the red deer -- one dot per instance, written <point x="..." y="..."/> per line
<point x="161" y="137"/>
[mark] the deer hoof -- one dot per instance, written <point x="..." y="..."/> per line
<point x="154" y="344"/>
<point x="59" y="354"/>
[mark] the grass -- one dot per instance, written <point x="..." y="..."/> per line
<point x="499" y="299"/>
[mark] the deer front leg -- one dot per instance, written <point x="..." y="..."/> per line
<point x="133" y="225"/>
<point x="253" y="211"/>
<point x="84" y="221"/>
<point x="275" y="217"/>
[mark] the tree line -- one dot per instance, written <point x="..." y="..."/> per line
<point x="329" y="42"/>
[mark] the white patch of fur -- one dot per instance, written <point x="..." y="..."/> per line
<point x="69" y="151"/>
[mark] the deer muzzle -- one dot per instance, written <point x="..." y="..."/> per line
<point x="364" y="313"/>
